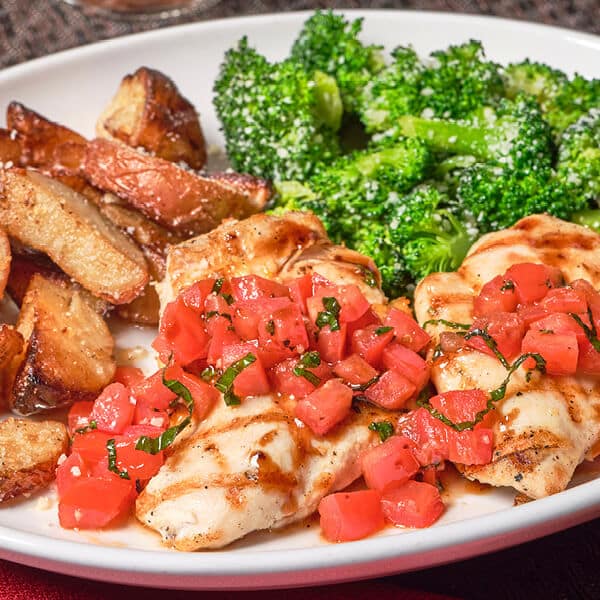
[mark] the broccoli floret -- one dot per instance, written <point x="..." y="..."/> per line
<point x="578" y="164"/>
<point x="514" y="134"/>
<point x="451" y="84"/>
<point x="534" y="79"/>
<point x="590" y="217"/>
<point x="330" y="44"/>
<point x="499" y="196"/>
<point x="572" y="102"/>
<point x="278" y="122"/>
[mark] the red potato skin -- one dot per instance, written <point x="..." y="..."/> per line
<point x="178" y="199"/>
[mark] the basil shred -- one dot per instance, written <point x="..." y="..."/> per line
<point x="451" y="324"/>
<point x="330" y="315"/>
<point x="216" y="288"/>
<point x="153" y="445"/>
<point x="590" y="332"/>
<point x="225" y="383"/>
<point x="112" y="460"/>
<point x="384" y="428"/>
<point x="383" y="330"/>
<point x="309" y="359"/>
<point x="89" y="427"/>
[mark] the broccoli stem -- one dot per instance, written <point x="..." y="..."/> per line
<point x="329" y="108"/>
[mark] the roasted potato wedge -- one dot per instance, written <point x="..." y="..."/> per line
<point x="10" y="148"/>
<point x="5" y="259"/>
<point x="11" y="347"/>
<point x="144" y="310"/>
<point x="68" y="350"/>
<point x="26" y="264"/>
<point x="149" y="111"/>
<point x="29" y="453"/>
<point x="174" y="197"/>
<point x="46" y="145"/>
<point x="52" y="218"/>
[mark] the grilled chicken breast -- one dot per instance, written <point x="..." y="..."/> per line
<point x="544" y="427"/>
<point x="255" y="466"/>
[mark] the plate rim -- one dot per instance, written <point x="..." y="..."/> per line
<point x="575" y="504"/>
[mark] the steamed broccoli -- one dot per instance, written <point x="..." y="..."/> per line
<point x="451" y="84"/>
<point x="330" y="44"/>
<point x="278" y="122"/>
<point x="535" y="79"/>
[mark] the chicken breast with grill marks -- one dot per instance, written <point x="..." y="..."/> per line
<point x="255" y="466"/>
<point x="544" y="427"/>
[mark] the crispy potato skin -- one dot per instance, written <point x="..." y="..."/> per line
<point x="52" y="218"/>
<point x="5" y="259"/>
<point x="10" y="147"/>
<point x="180" y="200"/>
<point x="68" y="350"/>
<point x="11" y="347"/>
<point x="149" y="111"/>
<point x="29" y="453"/>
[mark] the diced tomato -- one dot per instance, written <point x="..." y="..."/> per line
<point x="390" y="464"/>
<point x="222" y="335"/>
<point x="471" y="447"/>
<point x="215" y="304"/>
<point x="137" y="463"/>
<point x="325" y="407"/>
<point x="285" y="381"/>
<point x="152" y="392"/>
<point x="370" y="344"/>
<point x="70" y="471"/>
<point x="285" y="327"/>
<point x="430" y="475"/>
<point x="245" y="319"/>
<point x="414" y="504"/>
<point x="407" y="330"/>
<point x="592" y="298"/>
<point x="562" y="323"/>
<point x="195" y="295"/>
<point x="182" y="334"/>
<point x="429" y="434"/>
<point x="355" y="370"/>
<point x="347" y="516"/>
<point x="252" y="381"/>
<point x="529" y="313"/>
<point x="460" y="405"/>
<point x="564" y="300"/>
<point x="92" y="502"/>
<point x="589" y="359"/>
<point x="391" y="390"/>
<point x="146" y="415"/>
<point x="300" y="289"/>
<point x="559" y="350"/>
<point x="271" y="354"/>
<point x="91" y="446"/>
<point x="496" y="296"/>
<point x="506" y="329"/>
<point x="369" y="318"/>
<point x="332" y="344"/>
<point x="203" y="394"/>
<point x="532" y="281"/>
<point x="113" y="409"/>
<point x="79" y="415"/>
<point x="353" y="303"/>
<point x="128" y="376"/>
<point x="252" y="287"/>
<point x="408" y="363"/>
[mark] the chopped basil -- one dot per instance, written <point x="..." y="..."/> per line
<point x="330" y="315"/>
<point x="218" y="285"/>
<point x="208" y="374"/>
<point x="216" y="313"/>
<point x="309" y="359"/>
<point x="308" y="375"/>
<point x="270" y="327"/>
<point x="507" y="285"/>
<point x="590" y="332"/>
<point x="361" y="387"/>
<point x="153" y="445"/>
<point x="228" y="298"/>
<point x="112" y="460"/>
<point x="89" y="427"/>
<point x="490" y="342"/>
<point x="451" y="324"/>
<point x="384" y="428"/>
<point x="368" y="276"/>
<point x="382" y="330"/>
<point x="225" y="383"/>
<point x="494" y="395"/>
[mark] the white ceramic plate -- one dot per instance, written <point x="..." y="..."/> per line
<point x="72" y="88"/>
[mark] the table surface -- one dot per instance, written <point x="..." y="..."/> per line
<point x="565" y="565"/>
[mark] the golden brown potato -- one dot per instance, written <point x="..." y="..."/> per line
<point x="178" y="199"/>
<point x="10" y="148"/>
<point x="46" y="145"/>
<point x="11" y="346"/>
<point x="25" y="264"/>
<point x="52" y="218"/>
<point x="148" y="111"/>
<point x="144" y="310"/>
<point x="68" y="350"/>
<point x="5" y="258"/>
<point x="29" y="453"/>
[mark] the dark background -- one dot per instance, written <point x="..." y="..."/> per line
<point x="562" y="566"/>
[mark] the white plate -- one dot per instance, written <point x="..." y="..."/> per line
<point x="72" y="88"/>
